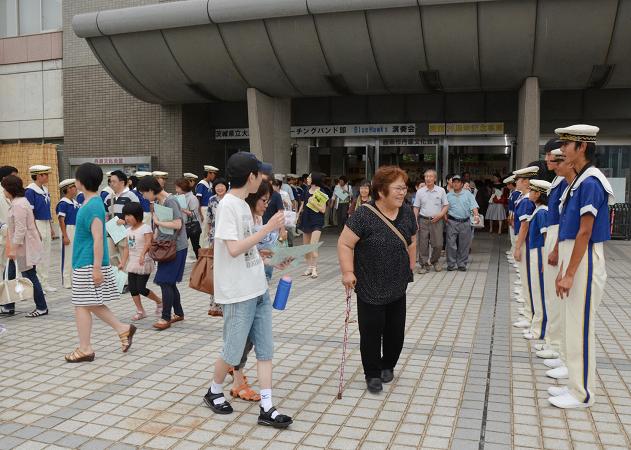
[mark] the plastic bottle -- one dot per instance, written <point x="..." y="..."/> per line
<point x="282" y="293"/>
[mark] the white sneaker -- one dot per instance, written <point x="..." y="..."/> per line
<point x="522" y="323"/>
<point x="521" y="310"/>
<point x="308" y="272"/>
<point x="559" y="372"/>
<point x="517" y="291"/>
<point x="567" y="401"/>
<point x="529" y="336"/>
<point x="547" y="353"/>
<point x="508" y="252"/>
<point x="540" y="346"/>
<point x="517" y="282"/>
<point x="50" y="289"/>
<point x="520" y="300"/>
<point x="555" y="391"/>
<point x="553" y="363"/>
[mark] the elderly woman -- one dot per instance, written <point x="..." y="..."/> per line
<point x="377" y="253"/>
<point x="24" y="244"/>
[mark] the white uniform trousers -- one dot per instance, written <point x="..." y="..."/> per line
<point x="203" y="238"/>
<point x="524" y="275"/>
<point x="555" y="308"/>
<point x="66" y="258"/>
<point x="538" y="326"/>
<point x="513" y="239"/>
<point x="580" y="313"/>
<point x="43" y="268"/>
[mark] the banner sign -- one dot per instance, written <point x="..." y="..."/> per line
<point x="466" y="129"/>
<point x="408" y="142"/>
<point x="231" y="133"/>
<point x="404" y="129"/>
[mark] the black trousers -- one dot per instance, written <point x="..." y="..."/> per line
<point x="171" y="300"/>
<point x="380" y="327"/>
<point x="138" y="284"/>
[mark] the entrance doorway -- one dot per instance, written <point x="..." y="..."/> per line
<point x="481" y="162"/>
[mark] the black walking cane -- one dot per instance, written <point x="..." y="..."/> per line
<point x="349" y="292"/>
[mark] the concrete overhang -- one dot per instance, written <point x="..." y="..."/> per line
<point x="212" y="50"/>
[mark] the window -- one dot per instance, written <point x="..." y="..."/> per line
<point x="21" y="17"/>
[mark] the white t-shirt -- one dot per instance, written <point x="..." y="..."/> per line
<point x="241" y="278"/>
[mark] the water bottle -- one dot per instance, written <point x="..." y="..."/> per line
<point x="282" y="293"/>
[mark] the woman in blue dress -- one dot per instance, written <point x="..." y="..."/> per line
<point x="312" y="222"/>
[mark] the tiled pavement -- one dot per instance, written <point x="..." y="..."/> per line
<point x="466" y="378"/>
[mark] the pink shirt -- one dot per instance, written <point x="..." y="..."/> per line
<point x="136" y="240"/>
<point x="25" y="238"/>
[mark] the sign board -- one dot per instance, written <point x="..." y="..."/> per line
<point x="408" y="141"/>
<point x="465" y="129"/>
<point x="403" y="129"/>
<point x="231" y="133"/>
<point x="111" y="160"/>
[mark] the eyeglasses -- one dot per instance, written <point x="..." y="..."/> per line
<point x="401" y="189"/>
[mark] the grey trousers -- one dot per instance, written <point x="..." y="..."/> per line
<point x="459" y="236"/>
<point x="429" y="235"/>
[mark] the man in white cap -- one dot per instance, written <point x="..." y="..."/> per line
<point x="203" y="191"/>
<point x="67" y="210"/>
<point x="38" y="196"/>
<point x="583" y="228"/>
<point x="523" y="209"/>
<point x="161" y="176"/>
<point x="191" y="178"/>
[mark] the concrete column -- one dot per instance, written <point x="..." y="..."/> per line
<point x="528" y="122"/>
<point x="269" y="120"/>
<point x="303" y="158"/>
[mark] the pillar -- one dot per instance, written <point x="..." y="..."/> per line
<point x="303" y="157"/>
<point x="528" y="122"/>
<point x="269" y="120"/>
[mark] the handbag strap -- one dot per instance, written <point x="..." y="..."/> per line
<point x="387" y="222"/>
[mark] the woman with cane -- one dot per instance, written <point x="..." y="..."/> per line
<point x="377" y="253"/>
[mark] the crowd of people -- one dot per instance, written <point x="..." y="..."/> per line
<point x="134" y="227"/>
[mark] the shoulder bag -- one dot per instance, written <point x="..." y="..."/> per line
<point x="202" y="273"/>
<point x="164" y="250"/>
<point x="16" y="290"/>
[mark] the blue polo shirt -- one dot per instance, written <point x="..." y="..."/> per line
<point x="68" y="209"/>
<point x="523" y="209"/>
<point x="203" y="191"/>
<point x="461" y="205"/>
<point x="39" y="198"/>
<point x="554" y="200"/>
<point x="512" y="198"/>
<point x="589" y="198"/>
<point x="538" y="226"/>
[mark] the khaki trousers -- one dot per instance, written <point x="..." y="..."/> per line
<point x="580" y="313"/>
<point x="554" y="305"/>
<point x="524" y="275"/>
<point x="429" y="235"/>
<point x="43" y="268"/>
<point x="538" y="326"/>
<point x="66" y="258"/>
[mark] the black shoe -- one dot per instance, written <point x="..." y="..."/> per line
<point x="280" y="421"/>
<point x="7" y="312"/>
<point x="462" y="269"/>
<point x="374" y="385"/>
<point x="387" y="375"/>
<point x="451" y="269"/>
<point x="222" y="408"/>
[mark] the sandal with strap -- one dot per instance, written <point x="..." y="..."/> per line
<point x="280" y="421"/>
<point x="78" y="356"/>
<point x="37" y="313"/>
<point x="231" y="373"/>
<point x="222" y="408"/>
<point x="139" y="316"/>
<point x="127" y="337"/>
<point x="245" y="392"/>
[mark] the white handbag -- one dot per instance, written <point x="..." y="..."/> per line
<point x="480" y="224"/>
<point x="16" y="290"/>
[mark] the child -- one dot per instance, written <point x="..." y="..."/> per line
<point x="93" y="279"/>
<point x="66" y="210"/>
<point x="241" y="287"/>
<point x="136" y="259"/>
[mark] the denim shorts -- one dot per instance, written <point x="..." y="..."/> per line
<point x="251" y="318"/>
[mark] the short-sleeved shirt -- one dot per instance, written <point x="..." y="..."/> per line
<point x="524" y="207"/>
<point x="211" y="215"/>
<point x="512" y="198"/>
<point x="538" y="226"/>
<point x="381" y="262"/>
<point x="239" y="278"/>
<point x="68" y="209"/>
<point x="39" y="198"/>
<point x="203" y="191"/>
<point x="274" y="205"/>
<point x="287" y="188"/>
<point x="118" y="201"/>
<point x="431" y="202"/>
<point x="192" y="204"/>
<point x="461" y="204"/>
<point x="588" y="198"/>
<point x="554" y="200"/>
<point x="82" y="250"/>
<point x="180" y="235"/>
<point x="136" y="240"/>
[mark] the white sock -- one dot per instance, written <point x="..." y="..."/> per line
<point x="217" y="389"/>
<point x="266" y="401"/>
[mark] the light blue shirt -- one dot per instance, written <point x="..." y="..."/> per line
<point x="461" y="205"/>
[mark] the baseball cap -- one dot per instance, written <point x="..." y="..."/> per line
<point x="456" y="177"/>
<point x="242" y="164"/>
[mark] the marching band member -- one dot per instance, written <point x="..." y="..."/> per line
<point x="203" y="191"/>
<point x="523" y="209"/>
<point x="66" y="210"/>
<point x="160" y="176"/>
<point x="583" y="228"/>
<point x="38" y="196"/>
<point x="191" y="178"/>
<point x="512" y="198"/>
<point x="537" y="223"/>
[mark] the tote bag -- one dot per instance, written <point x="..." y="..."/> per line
<point x="16" y="290"/>
<point x="202" y="273"/>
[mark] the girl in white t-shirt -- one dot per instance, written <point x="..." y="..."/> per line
<point x="136" y="258"/>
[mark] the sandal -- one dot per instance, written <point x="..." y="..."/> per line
<point x="222" y="408"/>
<point x="37" y="313"/>
<point x="78" y="356"/>
<point x="139" y="316"/>
<point x="161" y="325"/>
<point x="127" y="337"/>
<point x="245" y="392"/>
<point x="215" y="312"/>
<point x="280" y="421"/>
